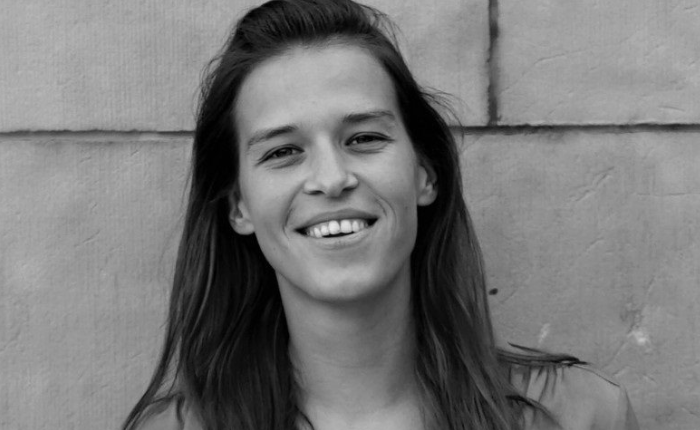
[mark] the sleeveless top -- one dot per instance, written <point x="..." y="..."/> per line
<point x="576" y="396"/>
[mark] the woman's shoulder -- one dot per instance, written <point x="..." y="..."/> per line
<point x="575" y="395"/>
<point x="169" y="414"/>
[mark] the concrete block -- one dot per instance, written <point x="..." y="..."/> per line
<point x="86" y="65"/>
<point x="134" y="65"/>
<point x="446" y="45"/>
<point x="88" y="229"/>
<point x="592" y="240"/>
<point x="593" y="62"/>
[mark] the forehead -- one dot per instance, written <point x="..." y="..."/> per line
<point x="311" y="84"/>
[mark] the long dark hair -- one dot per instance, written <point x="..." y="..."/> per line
<point x="225" y="350"/>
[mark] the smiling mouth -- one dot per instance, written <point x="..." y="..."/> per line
<point x="337" y="228"/>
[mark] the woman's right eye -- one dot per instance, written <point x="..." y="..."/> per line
<point x="280" y="153"/>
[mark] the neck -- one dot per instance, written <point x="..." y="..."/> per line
<point x="355" y="361"/>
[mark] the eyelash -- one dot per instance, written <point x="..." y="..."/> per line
<point x="374" y="138"/>
<point x="288" y="151"/>
<point x="280" y="152"/>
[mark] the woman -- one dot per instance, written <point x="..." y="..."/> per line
<point x="328" y="275"/>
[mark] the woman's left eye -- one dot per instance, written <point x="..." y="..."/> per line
<point x="366" y="138"/>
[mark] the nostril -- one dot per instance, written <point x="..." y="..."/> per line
<point x="331" y="184"/>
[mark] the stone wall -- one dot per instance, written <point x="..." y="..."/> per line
<point x="580" y="143"/>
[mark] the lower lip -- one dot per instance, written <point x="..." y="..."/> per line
<point x="340" y="242"/>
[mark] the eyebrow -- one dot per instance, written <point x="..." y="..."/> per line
<point x="351" y="118"/>
<point x="355" y="118"/>
<point x="270" y="133"/>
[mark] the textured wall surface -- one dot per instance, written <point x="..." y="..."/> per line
<point x="592" y="240"/>
<point x="88" y="228"/>
<point x="135" y="65"/>
<point x="598" y="62"/>
<point x="590" y="233"/>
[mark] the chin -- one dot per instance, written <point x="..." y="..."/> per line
<point x="337" y="289"/>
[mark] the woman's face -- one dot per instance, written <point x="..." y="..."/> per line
<point x="329" y="180"/>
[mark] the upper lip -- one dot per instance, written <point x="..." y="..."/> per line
<point x="336" y="215"/>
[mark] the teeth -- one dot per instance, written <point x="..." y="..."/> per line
<point x="334" y="227"/>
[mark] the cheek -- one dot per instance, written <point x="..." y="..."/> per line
<point x="264" y="199"/>
<point x="404" y="185"/>
<point x="399" y="189"/>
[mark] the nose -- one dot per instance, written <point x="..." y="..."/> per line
<point x="329" y="172"/>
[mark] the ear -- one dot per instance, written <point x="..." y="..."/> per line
<point x="238" y="216"/>
<point x="427" y="184"/>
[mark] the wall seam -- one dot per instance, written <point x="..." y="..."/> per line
<point x="492" y="65"/>
<point x="96" y="134"/>
<point x="502" y="129"/>
<point x="585" y="128"/>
